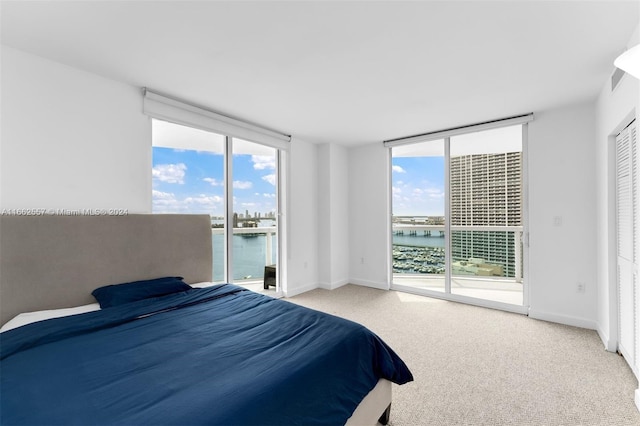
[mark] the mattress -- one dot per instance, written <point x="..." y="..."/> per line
<point x="216" y="355"/>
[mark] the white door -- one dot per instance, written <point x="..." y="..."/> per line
<point x="627" y="250"/>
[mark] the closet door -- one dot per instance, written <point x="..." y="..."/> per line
<point x="627" y="244"/>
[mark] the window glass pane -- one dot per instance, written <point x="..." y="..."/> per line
<point x="188" y="177"/>
<point x="486" y="214"/>
<point x="418" y="184"/>
<point x="254" y="217"/>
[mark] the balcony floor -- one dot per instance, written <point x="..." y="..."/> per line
<point x="256" y="286"/>
<point x="505" y="291"/>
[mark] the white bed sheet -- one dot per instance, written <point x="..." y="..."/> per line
<point x="31" y="317"/>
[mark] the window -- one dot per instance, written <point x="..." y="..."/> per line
<point x="236" y="180"/>
<point x="458" y="213"/>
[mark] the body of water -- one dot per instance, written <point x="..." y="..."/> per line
<point x="249" y="254"/>
<point x="419" y="240"/>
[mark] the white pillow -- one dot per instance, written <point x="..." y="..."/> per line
<point x="29" y="317"/>
<point x="202" y="284"/>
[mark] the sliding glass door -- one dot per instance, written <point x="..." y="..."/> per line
<point x="233" y="180"/>
<point x="419" y="244"/>
<point x="255" y="242"/>
<point x="486" y="196"/>
<point x="458" y="217"/>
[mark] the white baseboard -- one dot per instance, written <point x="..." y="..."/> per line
<point x="563" y="319"/>
<point x="334" y="285"/>
<point x="366" y="283"/>
<point x="609" y="345"/>
<point x="300" y="289"/>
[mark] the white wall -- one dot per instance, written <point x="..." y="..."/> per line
<point x="303" y="218"/>
<point x="369" y="215"/>
<point x="74" y="140"/>
<point x="333" y="209"/>
<point x="324" y="215"/>
<point x="561" y="159"/>
<point x="339" y="216"/>
<point x="71" y="139"/>
<point x="562" y="218"/>
<point x="614" y="110"/>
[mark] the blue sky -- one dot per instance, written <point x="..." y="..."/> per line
<point x="418" y="186"/>
<point x="190" y="181"/>
<point x="418" y="170"/>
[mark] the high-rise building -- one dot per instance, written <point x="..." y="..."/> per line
<point x="486" y="190"/>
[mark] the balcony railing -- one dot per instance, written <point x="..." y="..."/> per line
<point x="258" y="262"/>
<point x="475" y="254"/>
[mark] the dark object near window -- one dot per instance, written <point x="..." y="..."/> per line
<point x="269" y="276"/>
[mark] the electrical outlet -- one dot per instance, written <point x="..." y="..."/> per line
<point x="580" y="287"/>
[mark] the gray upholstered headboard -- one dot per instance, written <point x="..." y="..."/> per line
<point x="49" y="262"/>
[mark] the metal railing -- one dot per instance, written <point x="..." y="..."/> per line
<point x="415" y="229"/>
<point x="267" y="231"/>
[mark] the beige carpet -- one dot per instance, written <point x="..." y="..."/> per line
<point x="476" y="366"/>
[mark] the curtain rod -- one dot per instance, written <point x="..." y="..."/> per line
<point x="486" y="125"/>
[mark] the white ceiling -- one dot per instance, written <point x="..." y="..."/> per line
<point x="343" y="72"/>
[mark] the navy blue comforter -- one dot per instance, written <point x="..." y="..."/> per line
<point x="215" y="356"/>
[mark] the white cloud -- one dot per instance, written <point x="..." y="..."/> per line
<point x="398" y="169"/>
<point x="205" y="200"/>
<point x="270" y="178"/>
<point x="426" y="199"/>
<point x="159" y="195"/>
<point x="266" y="195"/>
<point x="239" y="184"/>
<point x="434" y="193"/>
<point x="170" y="173"/>
<point x="263" y="162"/>
<point x="213" y="181"/>
<point x="167" y="202"/>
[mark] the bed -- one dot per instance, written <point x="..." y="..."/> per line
<point x="198" y="354"/>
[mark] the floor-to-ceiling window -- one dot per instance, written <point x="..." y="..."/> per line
<point x="236" y="181"/>
<point x="458" y="215"/>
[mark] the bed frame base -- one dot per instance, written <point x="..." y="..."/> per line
<point x="368" y="412"/>
<point x="384" y="418"/>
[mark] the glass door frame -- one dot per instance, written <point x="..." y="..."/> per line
<point x="447" y="294"/>
<point x="280" y="222"/>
